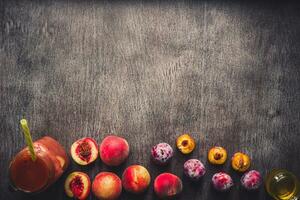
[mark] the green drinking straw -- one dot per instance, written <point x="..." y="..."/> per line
<point x="28" y="139"/>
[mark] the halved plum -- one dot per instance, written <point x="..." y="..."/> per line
<point x="84" y="151"/>
<point x="78" y="185"/>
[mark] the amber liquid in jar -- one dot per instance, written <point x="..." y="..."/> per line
<point x="35" y="176"/>
<point x="282" y="185"/>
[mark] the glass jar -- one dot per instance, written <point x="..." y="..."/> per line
<point x="282" y="185"/>
<point x="34" y="176"/>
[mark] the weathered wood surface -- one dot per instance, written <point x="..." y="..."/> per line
<point x="227" y="72"/>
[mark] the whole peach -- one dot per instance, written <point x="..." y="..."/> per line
<point x="167" y="185"/>
<point x="107" y="186"/>
<point x="113" y="150"/>
<point x="136" y="179"/>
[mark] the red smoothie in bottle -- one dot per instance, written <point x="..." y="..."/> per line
<point x="34" y="176"/>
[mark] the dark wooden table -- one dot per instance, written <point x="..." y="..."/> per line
<point x="227" y="72"/>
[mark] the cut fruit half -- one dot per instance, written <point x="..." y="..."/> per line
<point x="78" y="185"/>
<point x="84" y="151"/>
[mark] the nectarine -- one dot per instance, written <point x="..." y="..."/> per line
<point x="136" y="179"/>
<point x="113" y="150"/>
<point x="107" y="186"/>
<point x="167" y="185"/>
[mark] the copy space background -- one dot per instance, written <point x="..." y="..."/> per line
<point x="227" y="72"/>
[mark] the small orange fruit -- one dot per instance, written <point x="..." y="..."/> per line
<point x="240" y="162"/>
<point x="217" y="155"/>
<point x="185" y="143"/>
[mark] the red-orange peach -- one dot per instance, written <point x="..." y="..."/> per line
<point x="167" y="185"/>
<point x="113" y="150"/>
<point x="136" y="179"/>
<point x="107" y="186"/>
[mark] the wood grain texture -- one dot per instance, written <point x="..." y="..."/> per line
<point x="227" y="72"/>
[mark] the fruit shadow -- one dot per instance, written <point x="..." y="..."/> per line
<point x="248" y="195"/>
<point x="155" y="197"/>
<point x="216" y="168"/>
<point x="222" y="195"/>
<point x="82" y="168"/>
<point x="128" y="195"/>
<point x="160" y="168"/>
<point x="191" y="186"/>
<point x="235" y="174"/>
<point x="254" y="194"/>
<point x="117" y="169"/>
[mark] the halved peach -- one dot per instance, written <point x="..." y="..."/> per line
<point x="84" y="151"/>
<point x="78" y="185"/>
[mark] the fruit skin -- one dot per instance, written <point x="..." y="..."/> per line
<point x="185" y="144"/>
<point x="251" y="180"/>
<point x="79" y="146"/>
<point x="240" y="162"/>
<point x="194" y="169"/>
<point x="107" y="186"/>
<point x="85" y="187"/>
<point x="113" y="150"/>
<point x="136" y="179"/>
<point x="217" y="155"/>
<point x="161" y="153"/>
<point x="167" y="185"/>
<point x="222" y="181"/>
